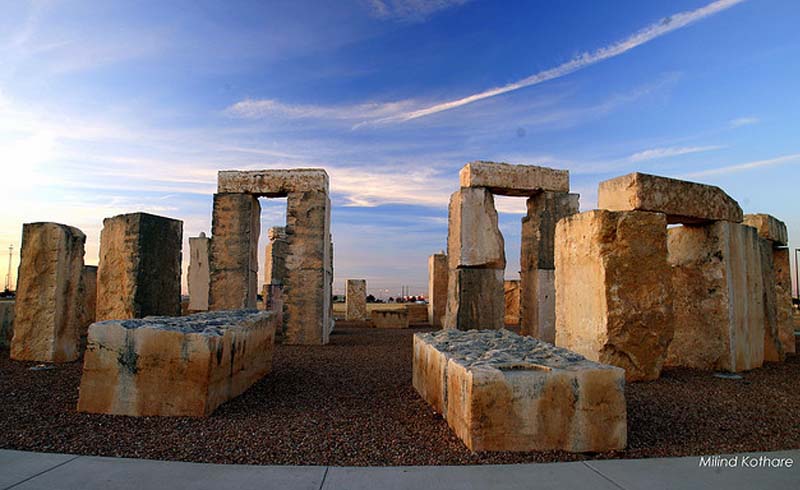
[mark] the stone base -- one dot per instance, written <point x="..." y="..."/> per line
<point x="500" y="391"/>
<point x="184" y="366"/>
<point x="390" y="318"/>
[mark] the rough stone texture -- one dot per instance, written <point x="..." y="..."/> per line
<point x="769" y="227"/>
<point x="88" y="293"/>
<point x="417" y="314"/>
<point x="140" y="267"/>
<point x="48" y="297"/>
<point x="682" y="201"/>
<point x="475" y="299"/>
<point x="356" y="300"/>
<point x="272" y="183"/>
<point x="783" y="299"/>
<point x="390" y="318"/>
<point x="199" y="272"/>
<point x="185" y="366"/>
<point x="6" y="322"/>
<point x="538" y="304"/>
<point x="718" y="297"/>
<point x="513" y="180"/>
<point x="613" y="295"/>
<point x="500" y="391"/>
<point x="275" y="256"/>
<point x="273" y="301"/>
<point x="511" y="290"/>
<point x="233" y="264"/>
<point x="437" y="289"/>
<point x="773" y="348"/>
<point x="473" y="235"/>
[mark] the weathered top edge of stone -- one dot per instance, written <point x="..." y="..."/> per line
<point x="277" y="233"/>
<point x="504" y="350"/>
<point x="513" y="180"/>
<point x="141" y="215"/>
<point x="71" y="229"/>
<point x="769" y="228"/>
<point x="272" y="182"/>
<point x="213" y="323"/>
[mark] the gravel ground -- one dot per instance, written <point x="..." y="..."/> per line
<point x="351" y="403"/>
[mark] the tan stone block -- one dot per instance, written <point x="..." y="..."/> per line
<point x="539" y="227"/>
<point x="538" y="304"/>
<point x="613" y="295"/>
<point x="199" y="272"/>
<point x="88" y="294"/>
<point x="475" y="299"/>
<point x="437" y="289"/>
<point x="275" y="257"/>
<point x="499" y="391"/>
<point x="783" y="299"/>
<point x="511" y="293"/>
<point x="513" y="180"/>
<point x="48" y="297"/>
<point x="356" y="300"/>
<point x="175" y="366"/>
<point x="272" y="183"/>
<point x="389" y="318"/>
<point x="473" y="236"/>
<point x="682" y="201"/>
<point x="718" y="297"/>
<point x="417" y="314"/>
<point x="769" y="227"/>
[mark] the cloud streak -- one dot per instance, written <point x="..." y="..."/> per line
<point x="795" y="157"/>
<point x="656" y="153"/>
<point x="744" y="121"/>
<point x="410" y="10"/>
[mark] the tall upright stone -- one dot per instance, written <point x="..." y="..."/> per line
<point x="6" y="322"/>
<point x="537" y="261"/>
<point x="139" y="273"/>
<point x="88" y="294"/>
<point x="199" y="274"/>
<point x="511" y="290"/>
<point x="48" y="301"/>
<point x="275" y="256"/>
<point x="356" y="300"/>
<point x="437" y="289"/>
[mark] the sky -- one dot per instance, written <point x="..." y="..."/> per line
<point x="122" y="106"/>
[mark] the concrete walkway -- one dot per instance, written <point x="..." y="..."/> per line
<point x="24" y="471"/>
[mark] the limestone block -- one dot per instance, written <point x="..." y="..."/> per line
<point x="276" y="252"/>
<point x="769" y="227"/>
<point x="273" y="183"/>
<point x="783" y="298"/>
<point x="417" y="313"/>
<point x="437" y="289"/>
<point x="6" y="322"/>
<point x="500" y="391"/>
<point x="513" y="180"/>
<point x="718" y="297"/>
<point x="613" y="295"/>
<point x="539" y="227"/>
<point x="475" y="299"/>
<point x="356" y="300"/>
<point x="199" y="272"/>
<point x="538" y="304"/>
<point x="140" y="267"/>
<point x="473" y="235"/>
<point x="48" y="298"/>
<point x="273" y="301"/>
<point x="88" y="293"/>
<point x="233" y="264"/>
<point x="389" y="318"/>
<point x="176" y="366"/>
<point x="682" y="201"/>
<point x="511" y="293"/>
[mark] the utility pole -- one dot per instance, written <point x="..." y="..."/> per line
<point x="8" y="275"/>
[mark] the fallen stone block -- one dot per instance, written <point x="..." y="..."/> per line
<point x="185" y="366"/>
<point x="390" y="318"/>
<point x="272" y="183"/>
<point x="500" y="391"/>
<point x="356" y="300"/>
<point x="769" y="228"/>
<point x="513" y="180"/>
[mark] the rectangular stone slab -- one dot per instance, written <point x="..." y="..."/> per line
<point x="272" y="183"/>
<point x="769" y="228"/>
<point x="184" y="366"/>
<point x="389" y="318"/>
<point x="513" y="180"/>
<point x="199" y="272"/>
<point x="682" y="201"/>
<point x="356" y="300"/>
<point x="500" y="391"/>
<point x="511" y="290"/>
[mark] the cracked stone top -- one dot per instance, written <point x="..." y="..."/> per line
<point x="209" y="323"/>
<point x="273" y="182"/>
<point x="504" y="350"/>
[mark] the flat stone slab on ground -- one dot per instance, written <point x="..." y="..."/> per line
<point x="513" y="180"/>
<point x="500" y="391"/>
<point x="180" y="366"/>
<point x="272" y="183"/>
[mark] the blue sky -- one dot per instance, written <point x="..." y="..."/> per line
<point x="112" y="107"/>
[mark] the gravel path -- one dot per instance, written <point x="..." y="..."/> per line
<point x="351" y="403"/>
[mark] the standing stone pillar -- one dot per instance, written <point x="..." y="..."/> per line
<point x="139" y="273"/>
<point x="275" y="256"/>
<point x="199" y="276"/>
<point x="437" y="289"/>
<point x="476" y="262"/>
<point x="235" y="227"/>
<point x="537" y="277"/>
<point x="511" y="289"/>
<point x="356" y="300"/>
<point x="89" y="297"/>
<point x="48" y="302"/>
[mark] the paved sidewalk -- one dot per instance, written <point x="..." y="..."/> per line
<point x="24" y="471"/>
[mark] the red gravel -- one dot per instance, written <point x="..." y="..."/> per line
<point x="352" y="403"/>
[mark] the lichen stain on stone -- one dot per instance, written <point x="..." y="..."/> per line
<point x="127" y="357"/>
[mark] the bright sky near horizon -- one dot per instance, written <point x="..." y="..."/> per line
<point x="115" y="106"/>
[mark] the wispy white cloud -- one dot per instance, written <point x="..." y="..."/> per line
<point x="261" y="108"/>
<point x="410" y="10"/>
<point x="744" y="121"/>
<point x="781" y="160"/>
<point x="656" y="153"/>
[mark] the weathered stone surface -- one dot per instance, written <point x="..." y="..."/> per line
<point x="538" y="304"/>
<point x="273" y="183"/>
<point x="185" y="366"/>
<point x="275" y="257"/>
<point x="473" y="235"/>
<point x="437" y="289"/>
<point x="769" y="227"/>
<point x="613" y="295"/>
<point x="6" y="322"/>
<point x="390" y="318"/>
<point x="48" y="299"/>
<point x="718" y="297"/>
<point x="199" y="272"/>
<point x="682" y="201"/>
<point x="356" y="300"/>
<point x="475" y="299"/>
<point x="417" y="314"/>
<point x="140" y="267"/>
<point x="499" y="391"/>
<point x="511" y="294"/>
<point x="273" y="301"/>
<point x="513" y="180"/>
<point x="88" y="294"/>
<point x="783" y="299"/>
<point x="233" y="264"/>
